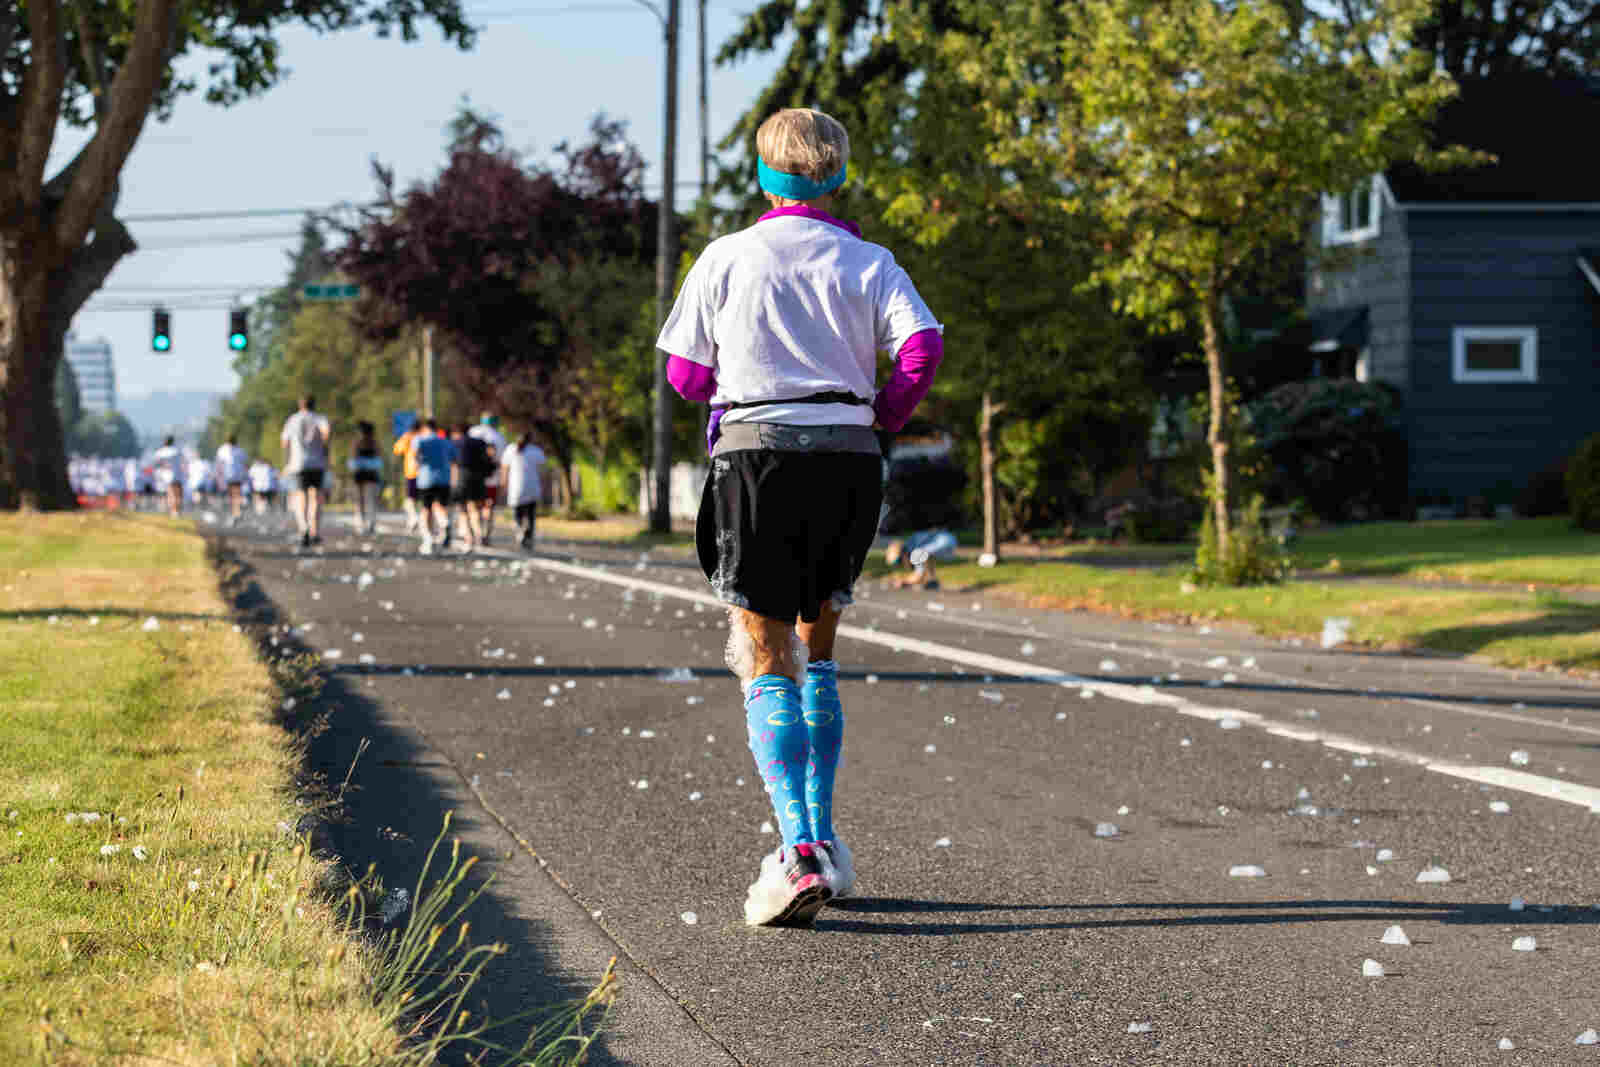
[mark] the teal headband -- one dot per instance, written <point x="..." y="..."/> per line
<point x="796" y="186"/>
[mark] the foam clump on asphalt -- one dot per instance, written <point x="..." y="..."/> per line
<point x="1395" y="936"/>
<point x="991" y="696"/>
<point x="689" y="918"/>
<point x="1140" y="1028"/>
<point x="368" y="659"/>
<point x="1246" y="870"/>
<point x="504" y="694"/>
<point x="1124" y="810"/>
<point x="1499" y="807"/>
<point x="365" y="580"/>
<point x="151" y="625"/>
<point x="1228" y="722"/>
<point x="676" y="674"/>
<point x="1027" y="648"/>
<point x="943" y="842"/>
<point x="1109" y="665"/>
<point x="1520" y="758"/>
<point x="333" y="653"/>
<point x="1217" y="662"/>
<point x="1506" y="1045"/>
<point x="1588" y="1037"/>
<point x="1106" y="829"/>
<point x="1384" y="855"/>
<point x="1371" y="969"/>
<point x="643" y="783"/>
<point x="1433" y="874"/>
<point x="1335" y="632"/>
<point x="1525" y="944"/>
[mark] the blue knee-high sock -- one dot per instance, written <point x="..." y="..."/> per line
<point x="825" y="730"/>
<point x="779" y="743"/>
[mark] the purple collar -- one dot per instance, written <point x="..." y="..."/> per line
<point x="805" y="211"/>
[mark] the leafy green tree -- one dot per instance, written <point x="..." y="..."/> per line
<point x="107" y="67"/>
<point x="1197" y="135"/>
<point x="108" y="434"/>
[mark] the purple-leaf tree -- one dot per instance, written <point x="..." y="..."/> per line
<point x="525" y="271"/>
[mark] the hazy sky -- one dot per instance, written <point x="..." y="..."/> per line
<point x="544" y="67"/>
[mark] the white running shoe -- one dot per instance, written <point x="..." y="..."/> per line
<point x="790" y="890"/>
<point x="838" y="867"/>
<point x="427" y="547"/>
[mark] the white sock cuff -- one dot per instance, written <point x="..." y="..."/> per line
<point x="823" y="666"/>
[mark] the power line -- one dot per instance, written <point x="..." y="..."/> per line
<point x="237" y="213"/>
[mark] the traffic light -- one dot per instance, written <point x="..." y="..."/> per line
<point x="161" y="330"/>
<point x="238" y="329"/>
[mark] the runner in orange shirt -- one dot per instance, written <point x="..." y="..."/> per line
<point x="402" y="448"/>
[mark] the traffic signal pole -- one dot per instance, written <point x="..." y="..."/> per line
<point x="666" y="276"/>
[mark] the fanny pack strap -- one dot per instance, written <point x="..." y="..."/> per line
<point x="835" y="397"/>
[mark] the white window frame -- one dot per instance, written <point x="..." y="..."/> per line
<point x="1526" y="336"/>
<point x="1332" y="209"/>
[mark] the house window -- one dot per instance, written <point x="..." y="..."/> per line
<point x="1351" y="216"/>
<point x="1495" y="353"/>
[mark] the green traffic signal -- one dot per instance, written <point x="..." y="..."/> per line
<point x="161" y="330"/>
<point x="238" y="329"/>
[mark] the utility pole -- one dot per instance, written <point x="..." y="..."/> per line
<point x="666" y="276"/>
<point x="427" y="371"/>
<point x="705" y="121"/>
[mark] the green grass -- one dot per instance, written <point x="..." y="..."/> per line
<point x="158" y="906"/>
<point x="1546" y="552"/>
<point x="1509" y="628"/>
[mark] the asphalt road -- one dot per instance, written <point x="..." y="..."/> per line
<point x="996" y="920"/>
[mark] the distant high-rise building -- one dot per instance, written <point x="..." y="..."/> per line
<point x="97" y="377"/>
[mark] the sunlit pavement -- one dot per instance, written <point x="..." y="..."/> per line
<point x="1058" y="821"/>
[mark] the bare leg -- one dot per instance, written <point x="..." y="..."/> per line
<point x="819" y="635"/>
<point x="758" y="645"/>
<point x="313" y="498"/>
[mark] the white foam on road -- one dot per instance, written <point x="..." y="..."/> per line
<point x="1538" y="785"/>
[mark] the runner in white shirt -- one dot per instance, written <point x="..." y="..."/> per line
<point x="168" y="469"/>
<point x="520" y="466"/>
<point x="263" y="485"/>
<point x="305" y="440"/>
<point x="232" y="469"/>
<point x="488" y="431"/>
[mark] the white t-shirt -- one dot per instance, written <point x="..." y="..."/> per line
<point x="231" y="465"/>
<point x="262" y="477"/>
<point x="791" y="306"/>
<point x="496" y="440"/>
<point x="305" y="437"/>
<point x="168" y="463"/>
<point x="522" y="474"/>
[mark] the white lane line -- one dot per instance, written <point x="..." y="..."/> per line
<point x="1144" y="695"/>
<point x="1531" y="717"/>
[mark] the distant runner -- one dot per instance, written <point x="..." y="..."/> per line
<point x="305" y="440"/>
<point x="433" y="454"/>
<point x="366" y="470"/>
<point x="519" y="475"/>
<point x="168" y="467"/>
<point x="475" y="464"/>
<point x="488" y="431"/>
<point x="232" y="470"/>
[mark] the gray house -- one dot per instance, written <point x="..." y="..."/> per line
<point x="1476" y="292"/>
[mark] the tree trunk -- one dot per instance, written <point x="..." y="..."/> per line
<point x="991" y="516"/>
<point x="1218" y="433"/>
<point x="33" y="459"/>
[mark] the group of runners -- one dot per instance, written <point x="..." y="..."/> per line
<point x="173" y="477"/>
<point x="467" y="470"/>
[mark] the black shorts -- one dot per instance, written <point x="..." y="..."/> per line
<point x="434" y="494"/>
<point x="365" y="477"/>
<point x="411" y="489"/>
<point x="473" y="489"/>
<point x="780" y="533"/>
<point x="310" y="479"/>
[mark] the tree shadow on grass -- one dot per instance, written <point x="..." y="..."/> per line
<point x="1565" y="621"/>
<point x="373" y="806"/>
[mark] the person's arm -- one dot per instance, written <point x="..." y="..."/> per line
<point x="914" y="369"/>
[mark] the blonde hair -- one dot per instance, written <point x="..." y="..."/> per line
<point x="804" y="141"/>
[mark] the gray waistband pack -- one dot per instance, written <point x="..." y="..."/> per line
<point x="744" y="436"/>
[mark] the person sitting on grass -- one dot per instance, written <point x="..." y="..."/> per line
<point x="919" y="550"/>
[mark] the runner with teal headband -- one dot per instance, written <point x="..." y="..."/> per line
<point x="797" y="186"/>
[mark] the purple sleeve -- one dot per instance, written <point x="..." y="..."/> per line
<point x="913" y="375"/>
<point x="693" y="381"/>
